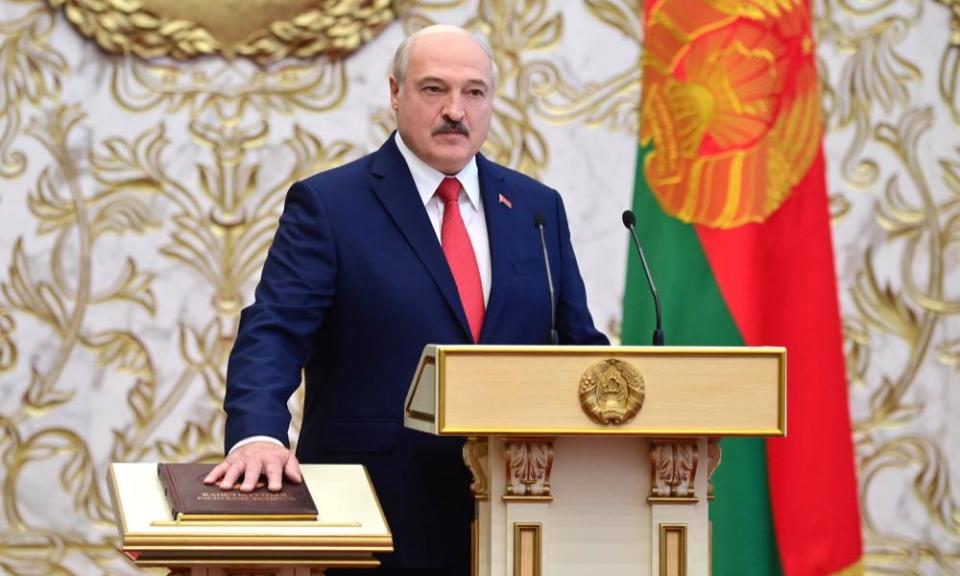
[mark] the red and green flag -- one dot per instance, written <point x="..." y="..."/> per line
<point x="732" y="210"/>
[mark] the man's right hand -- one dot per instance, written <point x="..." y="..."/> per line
<point x="250" y="461"/>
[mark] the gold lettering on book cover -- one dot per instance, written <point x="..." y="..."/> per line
<point x="243" y="497"/>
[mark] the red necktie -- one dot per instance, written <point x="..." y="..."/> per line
<point x="460" y="256"/>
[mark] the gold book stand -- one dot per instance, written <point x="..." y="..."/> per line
<point x="595" y="460"/>
<point x="349" y="529"/>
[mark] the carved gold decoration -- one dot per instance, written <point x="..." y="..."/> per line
<point x="475" y="456"/>
<point x="714" y="456"/>
<point x="528" y="466"/>
<point x="77" y="219"/>
<point x="264" y="31"/>
<point x="950" y="62"/>
<point x="613" y="103"/>
<point x="178" y="157"/>
<point x="673" y="470"/>
<point x="902" y="174"/>
<point x="229" y="92"/>
<point x="32" y="72"/>
<point x="875" y="74"/>
<point x="221" y="212"/>
<point x="8" y="348"/>
<point x="611" y="392"/>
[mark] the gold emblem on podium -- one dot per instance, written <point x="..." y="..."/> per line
<point x="611" y="392"/>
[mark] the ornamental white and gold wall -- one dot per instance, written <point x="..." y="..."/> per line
<point x="138" y="197"/>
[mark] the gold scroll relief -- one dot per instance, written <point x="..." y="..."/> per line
<point x="714" y="455"/>
<point x="475" y="457"/>
<point x="529" y="463"/>
<point x="264" y="31"/>
<point x="673" y="471"/>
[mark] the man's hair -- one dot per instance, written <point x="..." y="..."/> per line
<point x="401" y="59"/>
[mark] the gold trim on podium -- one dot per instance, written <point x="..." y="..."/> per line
<point x="249" y="520"/>
<point x="672" y="500"/>
<point x="527" y="549"/>
<point x="441" y="353"/>
<point x="658" y="406"/>
<point x="475" y="542"/>
<point x="417" y="414"/>
<point x="355" y="527"/>
<point x="673" y="549"/>
<point x="508" y="498"/>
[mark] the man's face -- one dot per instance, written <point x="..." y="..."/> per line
<point x="443" y="107"/>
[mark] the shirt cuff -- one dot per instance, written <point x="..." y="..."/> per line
<point x="251" y="439"/>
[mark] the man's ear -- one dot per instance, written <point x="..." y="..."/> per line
<point x="394" y="93"/>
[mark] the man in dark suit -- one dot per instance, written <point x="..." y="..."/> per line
<point x="423" y="241"/>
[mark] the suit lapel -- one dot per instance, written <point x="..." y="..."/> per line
<point x="394" y="187"/>
<point x="500" y="231"/>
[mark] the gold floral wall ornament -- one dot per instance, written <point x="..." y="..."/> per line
<point x="133" y="226"/>
<point x="950" y="62"/>
<point x="32" y="72"/>
<point x="900" y="168"/>
<point x="187" y="161"/>
<point x="613" y="103"/>
<point x="8" y="348"/>
<point x="264" y="30"/>
<point x="876" y="78"/>
<point x="139" y="86"/>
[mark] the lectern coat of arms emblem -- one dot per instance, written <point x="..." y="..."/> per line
<point x="611" y="391"/>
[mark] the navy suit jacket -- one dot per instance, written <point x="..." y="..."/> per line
<point x="355" y="284"/>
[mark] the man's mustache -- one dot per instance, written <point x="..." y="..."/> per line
<point x="451" y="127"/>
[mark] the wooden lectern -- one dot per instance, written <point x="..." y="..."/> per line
<point x="350" y="527"/>
<point x="595" y="460"/>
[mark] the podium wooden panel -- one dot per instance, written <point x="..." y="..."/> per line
<point x="350" y="527"/>
<point x="559" y="492"/>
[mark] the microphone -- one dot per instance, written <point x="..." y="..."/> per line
<point x="539" y="222"/>
<point x="630" y="222"/>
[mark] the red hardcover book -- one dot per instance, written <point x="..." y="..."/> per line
<point x="192" y="500"/>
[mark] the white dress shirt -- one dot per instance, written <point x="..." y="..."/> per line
<point x="427" y="179"/>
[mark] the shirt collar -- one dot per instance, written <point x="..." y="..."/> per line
<point x="427" y="178"/>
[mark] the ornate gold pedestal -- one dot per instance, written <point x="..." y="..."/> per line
<point x="350" y="529"/>
<point x="595" y="460"/>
